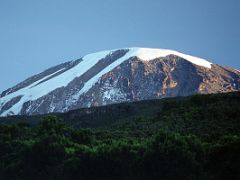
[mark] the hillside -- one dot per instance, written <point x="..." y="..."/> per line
<point x="203" y="112"/>
<point x="194" y="137"/>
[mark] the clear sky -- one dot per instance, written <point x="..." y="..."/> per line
<point x="37" y="34"/>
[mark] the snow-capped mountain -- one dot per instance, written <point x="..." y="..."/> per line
<point x="114" y="76"/>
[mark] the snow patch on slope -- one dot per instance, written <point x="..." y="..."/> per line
<point x="94" y="79"/>
<point x="24" y="92"/>
<point x="35" y="90"/>
<point x="111" y="92"/>
<point x="147" y="54"/>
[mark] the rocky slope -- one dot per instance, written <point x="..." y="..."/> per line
<point x="114" y="76"/>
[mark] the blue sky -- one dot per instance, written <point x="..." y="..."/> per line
<point x="37" y="34"/>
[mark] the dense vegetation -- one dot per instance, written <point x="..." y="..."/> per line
<point x="195" y="137"/>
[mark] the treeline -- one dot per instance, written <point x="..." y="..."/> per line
<point x="54" y="151"/>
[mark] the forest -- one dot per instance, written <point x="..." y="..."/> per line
<point x="196" y="137"/>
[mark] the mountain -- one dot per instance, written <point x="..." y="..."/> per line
<point x="121" y="75"/>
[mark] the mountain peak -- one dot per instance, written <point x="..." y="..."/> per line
<point x="148" y="54"/>
<point x="151" y="53"/>
<point x="109" y="77"/>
